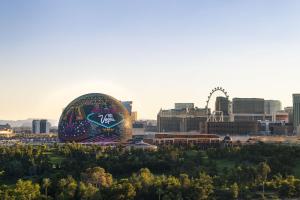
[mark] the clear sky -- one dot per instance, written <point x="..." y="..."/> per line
<point x="154" y="52"/>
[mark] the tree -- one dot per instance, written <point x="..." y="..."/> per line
<point x="123" y="190"/>
<point x="14" y="169"/>
<point x="2" y="173"/>
<point x="67" y="188"/>
<point x="46" y="184"/>
<point x="146" y="176"/>
<point x="234" y="189"/>
<point x="97" y="177"/>
<point x="6" y="193"/>
<point x="263" y="170"/>
<point x="142" y="182"/>
<point x="26" y="190"/>
<point x="287" y="189"/>
<point x="185" y="181"/>
<point x="202" y="187"/>
<point x="171" y="189"/>
<point x="87" y="191"/>
<point x="62" y="183"/>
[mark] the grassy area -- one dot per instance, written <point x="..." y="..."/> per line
<point x="297" y="169"/>
<point x="55" y="159"/>
<point x="221" y="164"/>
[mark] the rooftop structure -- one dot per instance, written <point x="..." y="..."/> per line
<point x="181" y="106"/>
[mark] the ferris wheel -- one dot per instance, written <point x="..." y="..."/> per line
<point x="217" y="116"/>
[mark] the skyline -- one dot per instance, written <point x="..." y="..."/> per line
<point x="153" y="53"/>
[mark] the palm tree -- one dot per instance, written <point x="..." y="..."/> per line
<point x="46" y="185"/>
<point x="62" y="184"/>
<point x="159" y="192"/>
<point x="263" y="170"/>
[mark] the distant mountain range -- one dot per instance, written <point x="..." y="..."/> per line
<point x="24" y="123"/>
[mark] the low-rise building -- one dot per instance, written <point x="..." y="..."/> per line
<point x="203" y="140"/>
<point x="6" y="130"/>
<point x="275" y="128"/>
<point x="281" y="129"/>
<point x="246" y="117"/>
<point x="232" y="128"/>
<point x="141" y="145"/>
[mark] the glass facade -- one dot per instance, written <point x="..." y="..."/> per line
<point x="248" y="105"/>
<point x="296" y="109"/>
<point x="272" y="106"/>
<point x="222" y="104"/>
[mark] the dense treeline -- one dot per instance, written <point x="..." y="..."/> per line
<point x="73" y="171"/>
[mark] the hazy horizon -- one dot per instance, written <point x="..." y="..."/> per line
<point x="154" y="53"/>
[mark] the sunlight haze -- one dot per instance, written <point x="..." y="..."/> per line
<point x="154" y="53"/>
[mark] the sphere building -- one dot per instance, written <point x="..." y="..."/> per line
<point x="95" y="118"/>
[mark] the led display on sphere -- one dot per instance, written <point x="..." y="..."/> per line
<point x="95" y="118"/>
